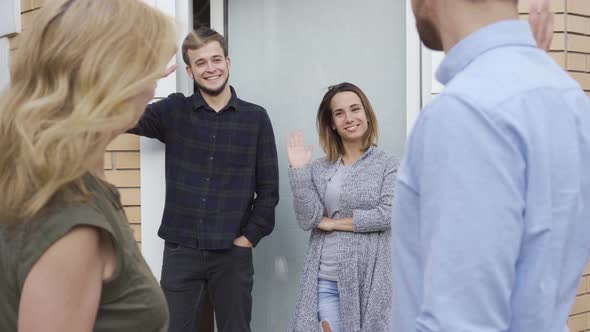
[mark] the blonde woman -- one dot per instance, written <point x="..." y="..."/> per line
<point x="344" y="199"/>
<point x="68" y="260"/>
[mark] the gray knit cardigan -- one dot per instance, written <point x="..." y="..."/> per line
<point x="364" y="262"/>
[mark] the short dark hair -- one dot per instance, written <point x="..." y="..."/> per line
<point x="198" y="38"/>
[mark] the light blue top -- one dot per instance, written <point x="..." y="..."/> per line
<point x="491" y="227"/>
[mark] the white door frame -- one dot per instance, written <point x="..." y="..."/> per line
<point x="414" y="70"/>
<point x="10" y="24"/>
<point x="153" y="185"/>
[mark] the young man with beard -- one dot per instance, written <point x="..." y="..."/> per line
<point x="221" y="189"/>
<point x="491" y="225"/>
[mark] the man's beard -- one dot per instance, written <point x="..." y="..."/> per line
<point x="429" y="34"/>
<point x="212" y="92"/>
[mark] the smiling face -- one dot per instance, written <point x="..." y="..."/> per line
<point x="349" y="117"/>
<point x="209" y="68"/>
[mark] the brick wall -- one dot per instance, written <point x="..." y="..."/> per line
<point x="571" y="49"/>
<point x="122" y="170"/>
<point x="122" y="157"/>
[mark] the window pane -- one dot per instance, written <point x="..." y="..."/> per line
<point x="284" y="55"/>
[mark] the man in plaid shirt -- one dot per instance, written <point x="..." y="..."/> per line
<point x="221" y="189"/>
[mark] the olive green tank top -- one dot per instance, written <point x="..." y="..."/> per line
<point x="131" y="301"/>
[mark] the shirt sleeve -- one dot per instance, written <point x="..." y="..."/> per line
<point x="152" y="123"/>
<point x="262" y="219"/>
<point x="470" y="178"/>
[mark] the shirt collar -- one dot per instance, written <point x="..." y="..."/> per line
<point x="199" y="102"/>
<point x="500" y="34"/>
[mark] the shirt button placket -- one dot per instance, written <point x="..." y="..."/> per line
<point x="207" y="179"/>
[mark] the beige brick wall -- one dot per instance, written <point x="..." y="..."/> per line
<point x="571" y="49"/>
<point x="121" y="161"/>
<point x="122" y="170"/>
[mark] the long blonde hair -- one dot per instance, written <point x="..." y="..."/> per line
<point x="71" y="84"/>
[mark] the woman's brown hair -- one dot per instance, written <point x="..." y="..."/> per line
<point x="329" y="139"/>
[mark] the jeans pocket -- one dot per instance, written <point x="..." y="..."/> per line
<point x="171" y="246"/>
<point x="241" y="250"/>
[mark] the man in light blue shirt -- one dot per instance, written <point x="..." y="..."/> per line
<point x="491" y="226"/>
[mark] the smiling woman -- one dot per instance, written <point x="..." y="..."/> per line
<point x="345" y="115"/>
<point x="345" y="200"/>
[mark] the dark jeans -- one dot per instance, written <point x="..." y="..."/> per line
<point x="188" y="275"/>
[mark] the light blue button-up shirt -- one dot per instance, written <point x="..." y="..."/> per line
<point x="491" y="226"/>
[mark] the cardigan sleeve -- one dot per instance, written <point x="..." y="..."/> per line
<point x="309" y="209"/>
<point x="379" y="218"/>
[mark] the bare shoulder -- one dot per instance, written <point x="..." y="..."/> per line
<point x="77" y="249"/>
<point x="51" y="290"/>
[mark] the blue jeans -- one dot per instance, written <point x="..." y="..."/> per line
<point x="329" y="303"/>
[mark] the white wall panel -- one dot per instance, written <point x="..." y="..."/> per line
<point x="153" y="185"/>
<point x="9" y="17"/>
<point x="4" y="63"/>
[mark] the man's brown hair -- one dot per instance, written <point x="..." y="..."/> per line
<point x="198" y="38"/>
